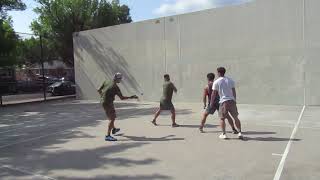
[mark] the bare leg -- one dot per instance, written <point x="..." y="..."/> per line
<point x="238" y="123"/>
<point x="154" y="121"/>
<point x="173" y="117"/>
<point x="203" y="121"/>
<point x="230" y="120"/>
<point x="223" y="125"/>
<point x="110" y="126"/>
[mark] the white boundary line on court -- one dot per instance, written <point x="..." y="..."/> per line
<point x="26" y="172"/>
<point x="276" y="154"/>
<point x="39" y="137"/>
<point x="286" y="151"/>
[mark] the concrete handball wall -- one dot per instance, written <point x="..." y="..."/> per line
<point x="269" y="47"/>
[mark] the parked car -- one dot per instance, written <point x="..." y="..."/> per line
<point x="62" y="88"/>
<point x="47" y="79"/>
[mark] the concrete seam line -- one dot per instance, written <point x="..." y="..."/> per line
<point x="286" y="151"/>
<point x="26" y="172"/>
<point x="39" y="137"/>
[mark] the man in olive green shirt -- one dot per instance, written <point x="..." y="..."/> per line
<point x="108" y="91"/>
<point x="166" y="101"/>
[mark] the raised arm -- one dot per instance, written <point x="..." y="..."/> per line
<point x="119" y="94"/>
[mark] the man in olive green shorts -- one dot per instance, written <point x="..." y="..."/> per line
<point x="108" y="91"/>
<point x="166" y="101"/>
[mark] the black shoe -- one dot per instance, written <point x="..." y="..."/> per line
<point x="235" y="131"/>
<point x="110" y="138"/>
<point x="175" y="125"/>
<point x="115" y="130"/>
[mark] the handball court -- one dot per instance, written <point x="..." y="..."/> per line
<point x="65" y="140"/>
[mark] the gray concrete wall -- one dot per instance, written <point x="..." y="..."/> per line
<point x="269" y="47"/>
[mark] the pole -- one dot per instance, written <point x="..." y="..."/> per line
<point x="42" y="67"/>
<point x="165" y="44"/>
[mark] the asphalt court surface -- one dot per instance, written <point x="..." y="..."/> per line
<point x="65" y="140"/>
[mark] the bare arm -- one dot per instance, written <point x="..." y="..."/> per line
<point x="100" y="89"/>
<point x="234" y="93"/>
<point x="204" y="98"/>
<point x="213" y="97"/>
<point x="126" y="97"/>
<point x="174" y="88"/>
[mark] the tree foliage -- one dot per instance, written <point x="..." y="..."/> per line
<point x="58" y="19"/>
<point x="9" y="5"/>
<point x="8" y="38"/>
<point x="8" y="43"/>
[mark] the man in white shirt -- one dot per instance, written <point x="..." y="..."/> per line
<point x="225" y="88"/>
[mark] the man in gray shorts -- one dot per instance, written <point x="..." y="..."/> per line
<point x="225" y="88"/>
<point x="207" y="94"/>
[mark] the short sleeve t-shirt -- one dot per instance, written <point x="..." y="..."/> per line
<point x="224" y="87"/>
<point x="109" y="91"/>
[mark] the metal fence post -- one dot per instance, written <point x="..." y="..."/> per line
<point x="42" y="67"/>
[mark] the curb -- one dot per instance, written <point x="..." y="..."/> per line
<point x="38" y="101"/>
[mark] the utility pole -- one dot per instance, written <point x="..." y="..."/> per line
<point x="44" y="87"/>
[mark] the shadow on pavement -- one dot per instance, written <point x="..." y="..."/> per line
<point x="146" y="139"/>
<point x="268" y="139"/>
<point x="44" y="154"/>
<point x="116" y="177"/>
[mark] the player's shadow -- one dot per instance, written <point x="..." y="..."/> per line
<point x="257" y="132"/>
<point x="149" y="139"/>
<point x="56" y="127"/>
<point x="197" y="126"/>
<point x="119" y="177"/>
<point x="268" y="139"/>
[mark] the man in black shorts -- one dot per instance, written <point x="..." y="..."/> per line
<point x="166" y="101"/>
<point x="108" y="90"/>
<point x="207" y="94"/>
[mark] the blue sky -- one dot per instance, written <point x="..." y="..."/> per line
<point x="140" y="9"/>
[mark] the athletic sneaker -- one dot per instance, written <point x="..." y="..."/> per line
<point x="110" y="138"/>
<point x="240" y="135"/>
<point x="235" y="131"/>
<point x="175" y="125"/>
<point x="201" y="130"/>
<point x="223" y="136"/>
<point x="115" y="130"/>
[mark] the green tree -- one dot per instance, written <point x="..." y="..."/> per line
<point x="58" y="19"/>
<point x="8" y="43"/>
<point x="29" y="51"/>
<point x="8" y="38"/>
<point x="9" y="5"/>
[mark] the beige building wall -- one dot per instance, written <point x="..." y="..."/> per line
<point x="269" y="47"/>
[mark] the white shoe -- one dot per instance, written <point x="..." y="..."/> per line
<point x="223" y="136"/>
<point x="240" y="135"/>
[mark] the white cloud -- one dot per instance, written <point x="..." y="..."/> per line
<point x="182" y="6"/>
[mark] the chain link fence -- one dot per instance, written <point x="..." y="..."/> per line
<point x="37" y="77"/>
